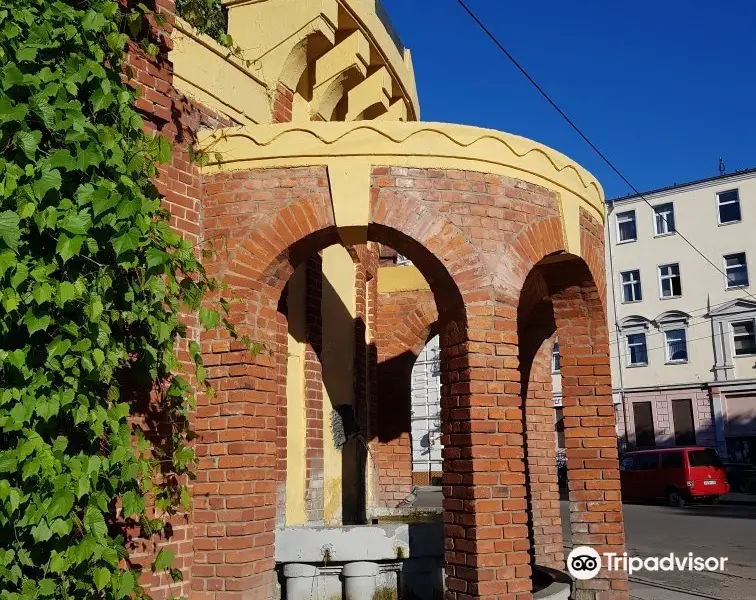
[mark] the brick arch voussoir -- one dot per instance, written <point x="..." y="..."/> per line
<point x="529" y="247"/>
<point x="592" y="250"/>
<point x="413" y="333"/>
<point x="277" y="245"/>
<point x="440" y="249"/>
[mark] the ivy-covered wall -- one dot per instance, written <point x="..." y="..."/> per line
<point x="101" y="302"/>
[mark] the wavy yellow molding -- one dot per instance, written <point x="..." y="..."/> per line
<point x="414" y="144"/>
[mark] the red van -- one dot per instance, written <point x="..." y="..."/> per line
<point x="678" y="475"/>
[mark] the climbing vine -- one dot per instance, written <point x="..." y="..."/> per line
<point x="208" y="17"/>
<point x="95" y="289"/>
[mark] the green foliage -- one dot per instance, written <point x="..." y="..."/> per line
<point x="208" y="16"/>
<point x="93" y="283"/>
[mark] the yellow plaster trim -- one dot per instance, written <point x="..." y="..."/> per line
<point x="397" y="111"/>
<point x="403" y="278"/>
<point x="376" y="89"/>
<point x="350" y="195"/>
<point x="414" y="144"/>
<point x="210" y="74"/>
<point x="399" y="63"/>
<point x="296" y="412"/>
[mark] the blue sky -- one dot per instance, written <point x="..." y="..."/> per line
<point x="663" y="87"/>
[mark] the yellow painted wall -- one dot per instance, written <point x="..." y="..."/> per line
<point x="402" y="278"/>
<point x="338" y="312"/>
<point x="296" y="465"/>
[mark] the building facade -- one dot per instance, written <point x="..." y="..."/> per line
<point x="682" y="328"/>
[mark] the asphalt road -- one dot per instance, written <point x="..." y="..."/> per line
<point x="719" y="531"/>
<point x="724" y="530"/>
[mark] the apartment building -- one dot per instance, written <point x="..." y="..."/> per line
<point x="681" y="278"/>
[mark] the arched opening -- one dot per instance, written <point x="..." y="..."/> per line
<point x="560" y="300"/>
<point x="425" y="411"/>
<point x="291" y="239"/>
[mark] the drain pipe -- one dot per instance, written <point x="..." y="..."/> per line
<point x="623" y="401"/>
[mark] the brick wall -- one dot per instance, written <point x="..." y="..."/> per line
<point x="404" y="324"/>
<point x="475" y="237"/>
<point x="313" y="377"/>
<point x="537" y="332"/>
<point x="168" y="113"/>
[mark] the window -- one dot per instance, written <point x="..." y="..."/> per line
<point x="626" y="226"/>
<point x="670" y="281"/>
<point x="644" y="434"/>
<point x="682" y="417"/>
<point x="704" y="458"/>
<point x="677" y="345"/>
<point x="744" y="338"/>
<point x="555" y="359"/>
<point x="648" y="462"/>
<point x="664" y="219"/>
<point x="672" y="460"/>
<point x="636" y="349"/>
<point x="736" y="270"/>
<point x="631" y="286"/>
<point x="728" y="205"/>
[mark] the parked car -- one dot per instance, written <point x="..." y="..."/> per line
<point x="741" y="477"/>
<point x="677" y="475"/>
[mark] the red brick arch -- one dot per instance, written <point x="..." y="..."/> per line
<point x="564" y="299"/>
<point x="465" y="231"/>
<point x="405" y="322"/>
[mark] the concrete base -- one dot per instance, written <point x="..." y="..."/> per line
<point x="377" y="562"/>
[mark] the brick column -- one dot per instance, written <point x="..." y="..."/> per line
<point x="590" y="437"/>
<point x="313" y="375"/>
<point x="540" y="443"/>
<point x="486" y="534"/>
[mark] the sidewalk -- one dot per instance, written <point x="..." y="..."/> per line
<point x="739" y="499"/>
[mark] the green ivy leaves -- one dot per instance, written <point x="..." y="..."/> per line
<point x="93" y="286"/>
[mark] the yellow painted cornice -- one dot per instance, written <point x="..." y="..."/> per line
<point x="413" y="144"/>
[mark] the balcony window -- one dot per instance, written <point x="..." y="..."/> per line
<point x="637" y="353"/>
<point x="664" y="219"/>
<point x="736" y="270"/>
<point x="626" y="230"/>
<point x="676" y="345"/>
<point x="744" y="338"/>
<point x="670" y="282"/>
<point x="728" y="206"/>
<point x="631" y="286"/>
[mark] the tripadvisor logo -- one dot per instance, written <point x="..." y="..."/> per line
<point x="584" y="563"/>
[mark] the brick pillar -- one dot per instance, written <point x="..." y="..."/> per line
<point x="540" y="443"/>
<point x="486" y="533"/>
<point x="283" y="104"/>
<point x="281" y="354"/>
<point x="590" y="436"/>
<point x="313" y="375"/>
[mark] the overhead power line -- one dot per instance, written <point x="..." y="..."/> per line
<point x="579" y="131"/>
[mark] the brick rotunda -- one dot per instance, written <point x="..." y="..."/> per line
<point x="319" y="175"/>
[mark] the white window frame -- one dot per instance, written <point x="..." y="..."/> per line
<point x="667" y="352"/>
<point x="628" y="345"/>
<point x="665" y="221"/>
<point x="719" y="203"/>
<point x="556" y="366"/>
<point x="727" y="278"/>
<point x="732" y="330"/>
<point x="662" y="277"/>
<point x="622" y="286"/>
<point x="635" y="222"/>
